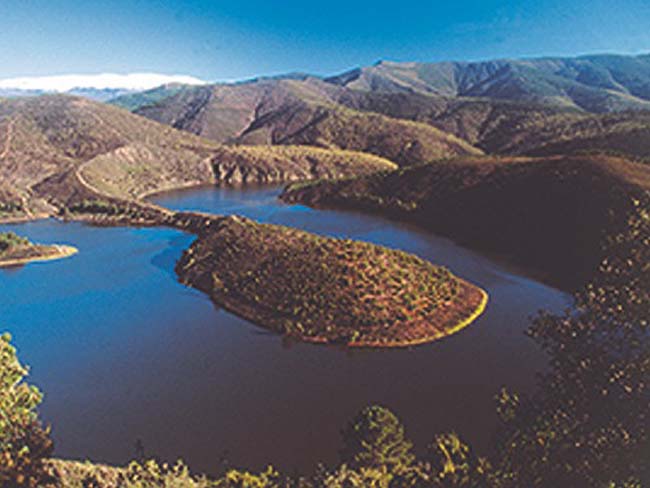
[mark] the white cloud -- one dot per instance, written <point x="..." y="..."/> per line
<point x="131" y="81"/>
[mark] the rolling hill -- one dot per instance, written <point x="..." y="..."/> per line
<point x="57" y="151"/>
<point x="517" y="128"/>
<point x="304" y="112"/>
<point x="553" y="215"/>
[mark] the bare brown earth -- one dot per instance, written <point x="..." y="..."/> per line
<point x="60" y="152"/>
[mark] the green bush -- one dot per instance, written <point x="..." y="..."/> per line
<point x="96" y="206"/>
<point x="24" y="444"/>
<point x="10" y="239"/>
<point x="375" y="439"/>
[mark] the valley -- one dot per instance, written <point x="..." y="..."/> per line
<point x="251" y="252"/>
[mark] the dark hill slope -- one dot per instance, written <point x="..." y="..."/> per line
<point x="553" y="214"/>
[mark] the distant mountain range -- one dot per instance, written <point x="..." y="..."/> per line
<point x="415" y="112"/>
<point x="97" y="94"/>
<point x="99" y="87"/>
<point x="600" y="83"/>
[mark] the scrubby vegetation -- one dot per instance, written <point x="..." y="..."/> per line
<point x="96" y="206"/>
<point x="328" y="290"/>
<point x="10" y="240"/>
<point x="24" y="443"/>
<point x="16" y="250"/>
<point x="10" y="207"/>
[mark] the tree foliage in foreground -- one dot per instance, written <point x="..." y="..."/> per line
<point x="23" y="442"/>
<point x="588" y="423"/>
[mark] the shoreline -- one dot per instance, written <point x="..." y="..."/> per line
<point x="359" y="306"/>
<point x="61" y="252"/>
<point x="260" y="319"/>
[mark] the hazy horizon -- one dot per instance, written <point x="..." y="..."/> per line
<point x="218" y="41"/>
<point x="144" y="81"/>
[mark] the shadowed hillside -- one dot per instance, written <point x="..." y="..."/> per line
<point x="553" y="215"/>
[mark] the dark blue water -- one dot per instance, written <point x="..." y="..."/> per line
<point x="124" y="352"/>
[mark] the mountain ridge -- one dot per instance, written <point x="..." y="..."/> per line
<point x="508" y="107"/>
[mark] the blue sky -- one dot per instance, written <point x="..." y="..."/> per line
<point x="219" y="40"/>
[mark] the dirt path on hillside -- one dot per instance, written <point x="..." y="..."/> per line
<point x="8" y="139"/>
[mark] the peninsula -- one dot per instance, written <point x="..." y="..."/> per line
<point x="326" y="290"/>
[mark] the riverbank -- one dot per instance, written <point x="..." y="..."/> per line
<point x="553" y="216"/>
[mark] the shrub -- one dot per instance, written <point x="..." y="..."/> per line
<point x="24" y="444"/>
<point x="375" y="439"/>
<point x="10" y="239"/>
<point x="243" y="479"/>
<point x="150" y="474"/>
<point x="96" y="206"/>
